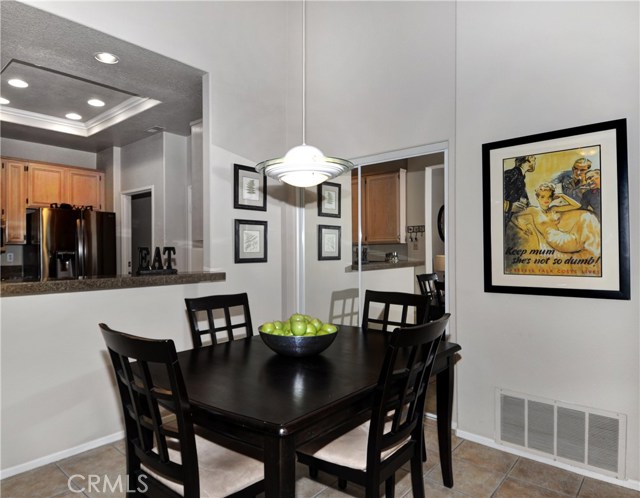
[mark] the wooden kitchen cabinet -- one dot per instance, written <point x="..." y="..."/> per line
<point x="85" y="188"/>
<point x="46" y="184"/>
<point x="35" y="184"/>
<point x="14" y="201"/>
<point x="52" y="183"/>
<point x="384" y="208"/>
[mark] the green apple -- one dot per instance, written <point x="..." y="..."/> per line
<point x="299" y="327"/>
<point x="296" y="317"/>
<point x="267" y="327"/>
<point x="278" y="324"/>
<point x="329" y="328"/>
<point x="311" y="329"/>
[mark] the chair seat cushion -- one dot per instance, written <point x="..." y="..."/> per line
<point x="350" y="449"/>
<point x="222" y="471"/>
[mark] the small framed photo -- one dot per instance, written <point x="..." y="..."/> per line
<point x="328" y="242"/>
<point x="250" y="241"/>
<point x="329" y="199"/>
<point x="249" y="188"/>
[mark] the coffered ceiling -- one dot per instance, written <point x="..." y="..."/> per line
<point x="143" y="93"/>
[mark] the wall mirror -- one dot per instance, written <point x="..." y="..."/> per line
<point x="400" y="196"/>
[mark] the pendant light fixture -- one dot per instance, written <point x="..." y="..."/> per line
<point x="304" y="165"/>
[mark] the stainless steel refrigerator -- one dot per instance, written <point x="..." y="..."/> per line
<point x="74" y="243"/>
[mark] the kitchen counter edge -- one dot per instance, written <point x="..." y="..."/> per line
<point x="383" y="265"/>
<point x="10" y="289"/>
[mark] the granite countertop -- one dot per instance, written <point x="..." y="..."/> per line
<point x="384" y="265"/>
<point x="10" y="288"/>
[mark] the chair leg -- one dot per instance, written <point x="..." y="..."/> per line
<point x="417" y="482"/>
<point x="390" y="487"/>
<point x="342" y="483"/>
<point x="424" y="448"/>
<point x="313" y="472"/>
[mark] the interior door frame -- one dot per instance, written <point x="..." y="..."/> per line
<point x="125" y="227"/>
<point x="428" y="212"/>
<point x="420" y="150"/>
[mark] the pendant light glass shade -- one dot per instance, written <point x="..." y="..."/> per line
<point x="304" y="166"/>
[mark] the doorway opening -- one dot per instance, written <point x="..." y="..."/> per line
<point x="137" y="226"/>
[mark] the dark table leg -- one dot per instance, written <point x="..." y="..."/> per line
<point x="279" y="467"/>
<point x="444" y="409"/>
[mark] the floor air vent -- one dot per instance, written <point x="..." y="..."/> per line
<point x="584" y="437"/>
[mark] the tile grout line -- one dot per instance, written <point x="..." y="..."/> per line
<point x="504" y="478"/>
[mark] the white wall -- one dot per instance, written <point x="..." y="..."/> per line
<point x="176" y="175"/>
<point x="142" y="168"/>
<point x="262" y="281"/>
<point x="392" y="58"/>
<point x="57" y="390"/>
<point x="324" y="278"/>
<point x="47" y="153"/>
<point x="380" y="75"/>
<point x="525" y="68"/>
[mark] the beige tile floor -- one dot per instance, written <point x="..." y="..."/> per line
<point x="479" y="472"/>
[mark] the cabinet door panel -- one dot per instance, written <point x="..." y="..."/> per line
<point x="85" y="188"/>
<point x="14" y="203"/>
<point x="382" y="218"/>
<point x="46" y="185"/>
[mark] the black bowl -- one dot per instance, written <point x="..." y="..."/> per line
<point x="291" y="345"/>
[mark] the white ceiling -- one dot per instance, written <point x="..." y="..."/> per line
<point x="55" y="56"/>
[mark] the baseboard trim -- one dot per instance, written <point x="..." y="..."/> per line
<point x="54" y="457"/>
<point x="631" y="484"/>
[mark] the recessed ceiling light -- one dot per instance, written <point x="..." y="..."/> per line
<point x="73" y="115"/>
<point x="106" y="58"/>
<point x="4" y="101"/>
<point x="95" y="102"/>
<point x="18" y="83"/>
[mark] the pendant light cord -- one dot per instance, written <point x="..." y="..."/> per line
<point x="304" y="71"/>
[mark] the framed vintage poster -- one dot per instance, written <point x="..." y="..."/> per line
<point x="329" y="199"/>
<point x="249" y="188"/>
<point x="250" y="241"/>
<point x="556" y="210"/>
<point x="328" y="242"/>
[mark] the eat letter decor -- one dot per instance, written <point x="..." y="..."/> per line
<point x="156" y="268"/>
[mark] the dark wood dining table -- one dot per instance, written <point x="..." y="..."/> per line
<point x="266" y="405"/>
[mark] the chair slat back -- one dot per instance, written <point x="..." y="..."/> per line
<point x="411" y="308"/>
<point x="433" y="290"/>
<point x="225" y="313"/>
<point x="400" y="397"/>
<point x="148" y="436"/>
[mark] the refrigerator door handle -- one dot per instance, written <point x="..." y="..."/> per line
<point x="81" y="248"/>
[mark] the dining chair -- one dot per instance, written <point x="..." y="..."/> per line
<point x="371" y="453"/>
<point x="388" y="310"/>
<point x="434" y="292"/>
<point x="225" y="313"/>
<point x="168" y="456"/>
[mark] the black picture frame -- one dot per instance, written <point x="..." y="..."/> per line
<point x="249" y="188"/>
<point x="536" y="241"/>
<point x="250" y="241"/>
<point x="329" y="242"/>
<point x="330" y="200"/>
